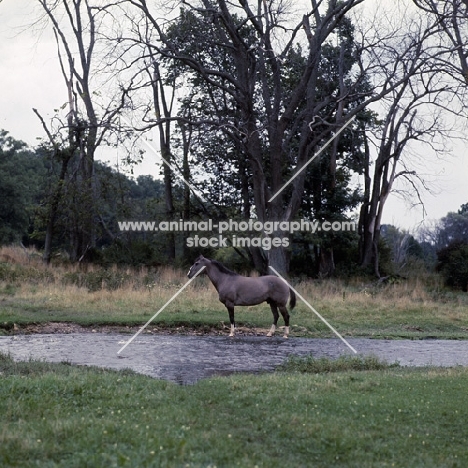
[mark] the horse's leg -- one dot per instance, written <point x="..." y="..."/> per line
<point x="285" y="314"/>
<point x="230" y="309"/>
<point x="274" y="311"/>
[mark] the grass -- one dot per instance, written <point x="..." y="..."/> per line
<point x="33" y="293"/>
<point x="312" y="365"/>
<point x="59" y="415"/>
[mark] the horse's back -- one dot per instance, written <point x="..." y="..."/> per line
<point x="263" y="283"/>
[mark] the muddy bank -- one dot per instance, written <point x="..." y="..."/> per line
<point x="187" y="359"/>
<point x="68" y="327"/>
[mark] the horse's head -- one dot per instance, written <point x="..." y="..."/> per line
<point x="200" y="262"/>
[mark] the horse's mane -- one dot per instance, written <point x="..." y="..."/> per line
<point x="222" y="268"/>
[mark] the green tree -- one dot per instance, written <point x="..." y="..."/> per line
<point x="453" y="228"/>
<point x="22" y="183"/>
<point x="249" y="71"/>
<point x="453" y="264"/>
<point x="215" y="118"/>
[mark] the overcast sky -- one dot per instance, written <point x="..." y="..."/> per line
<point x="30" y="77"/>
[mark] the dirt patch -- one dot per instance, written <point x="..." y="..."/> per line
<point x="62" y="327"/>
<point x="66" y="328"/>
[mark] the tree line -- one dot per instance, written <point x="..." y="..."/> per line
<point x="28" y="178"/>
<point x="242" y="96"/>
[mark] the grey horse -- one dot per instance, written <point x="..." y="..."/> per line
<point x="236" y="290"/>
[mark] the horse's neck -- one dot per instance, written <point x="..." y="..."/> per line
<point x="216" y="276"/>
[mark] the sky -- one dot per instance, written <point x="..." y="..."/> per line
<point x="30" y="77"/>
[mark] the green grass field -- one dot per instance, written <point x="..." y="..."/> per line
<point x="64" y="416"/>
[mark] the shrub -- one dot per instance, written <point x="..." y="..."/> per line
<point x="97" y="279"/>
<point x="18" y="273"/>
<point x="453" y="264"/>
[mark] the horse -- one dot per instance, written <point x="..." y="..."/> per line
<point x="236" y="290"/>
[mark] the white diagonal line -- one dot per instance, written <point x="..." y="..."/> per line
<point x="175" y="169"/>
<point x="160" y="310"/>
<point x="315" y="312"/>
<point x="311" y="159"/>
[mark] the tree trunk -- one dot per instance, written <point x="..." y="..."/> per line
<point x="169" y="204"/>
<point x="278" y="258"/>
<point x="259" y="260"/>
<point x="163" y="109"/>
<point x="54" y="210"/>
<point x="186" y="137"/>
<point x="326" y="262"/>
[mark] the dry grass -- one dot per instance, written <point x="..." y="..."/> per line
<point x="33" y="292"/>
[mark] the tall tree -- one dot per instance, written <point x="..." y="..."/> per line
<point x="75" y="24"/>
<point x="163" y="100"/>
<point x="413" y="111"/>
<point x="253" y="82"/>
<point x="240" y="54"/>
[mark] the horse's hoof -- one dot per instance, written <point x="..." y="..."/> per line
<point x="285" y="336"/>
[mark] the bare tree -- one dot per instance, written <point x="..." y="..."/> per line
<point x="413" y="111"/>
<point x="89" y="117"/>
<point x="412" y="103"/>
<point x="452" y="18"/>
<point x="163" y="100"/>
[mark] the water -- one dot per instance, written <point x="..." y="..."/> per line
<point x="187" y="359"/>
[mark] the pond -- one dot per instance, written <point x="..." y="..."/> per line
<point x="187" y="359"/>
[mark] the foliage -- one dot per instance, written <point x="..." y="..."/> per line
<point x="27" y="183"/>
<point x="453" y="264"/>
<point x="453" y="228"/>
<point x="400" y="253"/>
<point x="217" y="121"/>
<point x="22" y="185"/>
<point x="97" y="279"/>
<point x="11" y="273"/>
<point x="307" y="247"/>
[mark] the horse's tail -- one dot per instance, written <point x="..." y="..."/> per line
<point x="292" y="299"/>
